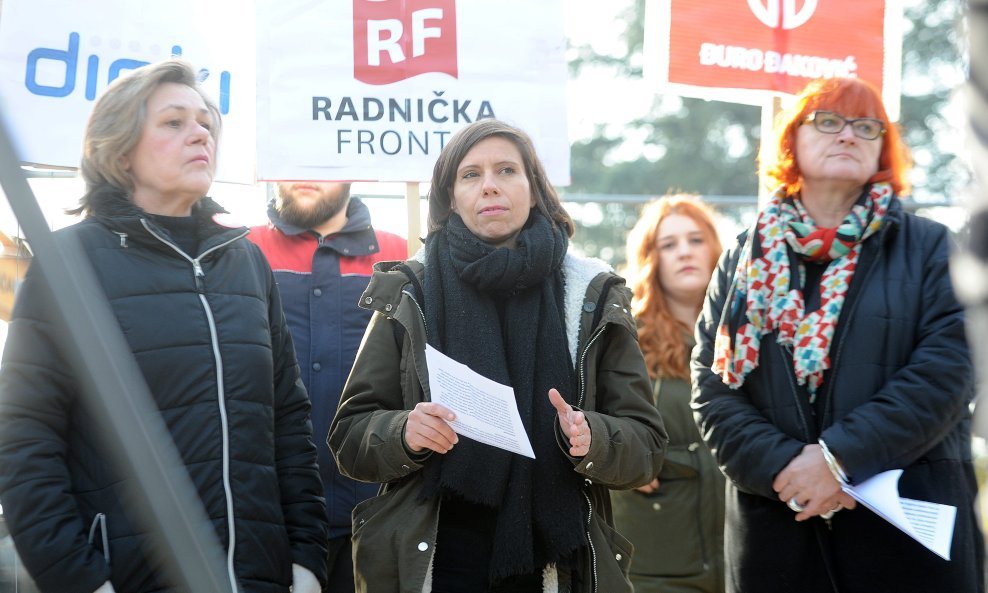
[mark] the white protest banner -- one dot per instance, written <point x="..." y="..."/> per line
<point x="57" y="56"/>
<point x="372" y="90"/>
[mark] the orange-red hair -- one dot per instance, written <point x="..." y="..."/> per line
<point x="850" y="97"/>
<point x="659" y="333"/>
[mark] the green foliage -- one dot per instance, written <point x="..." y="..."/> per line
<point x="707" y="147"/>
<point x="932" y="66"/>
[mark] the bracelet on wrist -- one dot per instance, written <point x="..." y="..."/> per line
<point x="835" y="468"/>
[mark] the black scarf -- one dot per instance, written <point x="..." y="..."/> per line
<point x="499" y="311"/>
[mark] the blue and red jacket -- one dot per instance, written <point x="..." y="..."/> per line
<point x="321" y="280"/>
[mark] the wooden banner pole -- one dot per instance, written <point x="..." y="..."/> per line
<point x="413" y="206"/>
<point x="770" y="110"/>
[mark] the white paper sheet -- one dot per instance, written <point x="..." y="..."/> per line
<point x="929" y="523"/>
<point x="486" y="411"/>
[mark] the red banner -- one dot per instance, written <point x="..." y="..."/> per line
<point x="774" y="45"/>
<point x="398" y="39"/>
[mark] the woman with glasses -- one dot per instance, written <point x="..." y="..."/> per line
<point x="831" y="348"/>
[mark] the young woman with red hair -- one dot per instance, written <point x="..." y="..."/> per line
<point x="677" y="521"/>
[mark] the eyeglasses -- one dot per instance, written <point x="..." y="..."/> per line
<point x="828" y="122"/>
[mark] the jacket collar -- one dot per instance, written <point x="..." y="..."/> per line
<point x="113" y="208"/>
<point x="893" y="219"/>
<point x="356" y="238"/>
<point x="109" y="203"/>
<point x="578" y="273"/>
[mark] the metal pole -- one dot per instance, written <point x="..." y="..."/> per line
<point x="163" y="498"/>
<point x="770" y="110"/>
<point x="414" y="208"/>
<point x="970" y="265"/>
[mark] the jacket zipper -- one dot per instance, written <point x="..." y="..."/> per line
<point x="843" y="337"/>
<point x="830" y="385"/>
<point x="99" y="522"/>
<point x="827" y="409"/>
<point x="840" y="346"/>
<point x="593" y="551"/>
<point x="581" y="369"/>
<point x="220" y="387"/>
<point x="791" y="375"/>
<point x="581" y="373"/>
<point x="196" y="262"/>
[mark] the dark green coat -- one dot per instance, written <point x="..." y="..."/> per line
<point x="677" y="531"/>
<point x="394" y="534"/>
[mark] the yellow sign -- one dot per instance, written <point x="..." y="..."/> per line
<point x="14" y="261"/>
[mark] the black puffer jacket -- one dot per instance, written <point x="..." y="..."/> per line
<point x="209" y="336"/>
<point x="896" y="396"/>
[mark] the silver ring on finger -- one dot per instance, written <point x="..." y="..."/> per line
<point x="794" y="505"/>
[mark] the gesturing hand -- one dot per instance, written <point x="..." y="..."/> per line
<point x="650" y="487"/>
<point x="573" y="423"/>
<point x="427" y="428"/>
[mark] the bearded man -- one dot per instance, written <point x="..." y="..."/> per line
<point x="322" y="248"/>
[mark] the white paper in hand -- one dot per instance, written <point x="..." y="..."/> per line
<point x="486" y="411"/>
<point x="929" y="523"/>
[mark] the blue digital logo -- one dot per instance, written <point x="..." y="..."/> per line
<point x="70" y="58"/>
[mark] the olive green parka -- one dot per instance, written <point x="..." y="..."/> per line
<point x="394" y="534"/>
<point x="678" y="530"/>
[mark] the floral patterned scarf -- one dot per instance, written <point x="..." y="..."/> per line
<point x="765" y="297"/>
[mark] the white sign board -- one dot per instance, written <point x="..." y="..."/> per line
<point x="372" y="89"/>
<point x="57" y="56"/>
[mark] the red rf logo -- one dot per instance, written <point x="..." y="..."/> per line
<point x="398" y="39"/>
